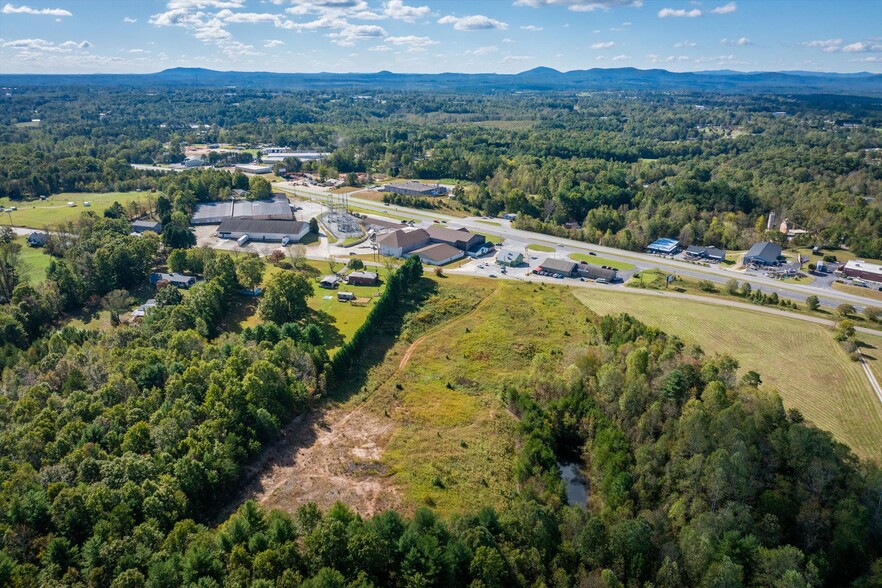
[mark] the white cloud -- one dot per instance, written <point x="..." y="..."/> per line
<point x="678" y="13"/>
<point x="725" y="9"/>
<point x="868" y="59"/>
<point x="741" y="42"/>
<point x="483" y="50"/>
<point x="606" y="45"/>
<point x="38" y="46"/>
<point x="825" y="45"/>
<point x="10" y="9"/>
<point x="411" y="40"/>
<point x="507" y="40"/>
<point x="398" y="10"/>
<point x="187" y="4"/>
<point x="621" y="58"/>
<point x="533" y="28"/>
<point x="582" y="5"/>
<point x="685" y="45"/>
<point x="350" y="34"/>
<point x="380" y="48"/>
<point x="474" y="22"/>
<point x="517" y="58"/>
<point x="130" y="20"/>
<point x="135" y="51"/>
<point x="862" y="47"/>
<point x="228" y="16"/>
<point x="273" y="43"/>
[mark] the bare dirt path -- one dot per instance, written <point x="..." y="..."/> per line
<point x="871" y="376"/>
<point x="333" y="454"/>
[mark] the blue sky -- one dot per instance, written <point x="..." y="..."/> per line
<point x="84" y="36"/>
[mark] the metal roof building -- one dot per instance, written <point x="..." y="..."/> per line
<point x="763" y="253"/>
<point x="664" y="246"/>
<point x="213" y="213"/>
<point x="262" y="230"/>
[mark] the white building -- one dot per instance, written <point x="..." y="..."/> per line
<point x="263" y="230"/>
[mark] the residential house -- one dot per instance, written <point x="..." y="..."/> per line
<point x="362" y="278"/>
<point x="36" y="239"/>
<point x="141" y="226"/>
<point x="330" y="282"/>
<point x="174" y="279"/>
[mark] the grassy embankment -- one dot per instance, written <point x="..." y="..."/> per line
<point x="799" y="359"/>
<point x="454" y="439"/>
<point x="54" y="210"/>
<point x="542" y="248"/>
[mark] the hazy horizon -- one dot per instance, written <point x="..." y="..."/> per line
<point x="437" y="36"/>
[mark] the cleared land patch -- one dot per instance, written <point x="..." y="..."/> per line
<point x="799" y="359"/>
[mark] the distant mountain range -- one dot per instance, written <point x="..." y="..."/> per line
<point x="538" y="79"/>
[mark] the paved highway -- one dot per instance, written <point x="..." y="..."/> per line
<point x="564" y="247"/>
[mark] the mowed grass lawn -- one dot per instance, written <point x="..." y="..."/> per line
<point x="337" y="320"/>
<point x="543" y="248"/>
<point x="597" y="260"/>
<point x="54" y="210"/>
<point x="799" y="359"/>
<point x="454" y="441"/>
<point x="35" y="260"/>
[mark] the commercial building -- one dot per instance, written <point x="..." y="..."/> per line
<point x="213" y="213"/>
<point x="411" y="188"/>
<point x="439" y="254"/>
<point x="597" y="272"/>
<point x="254" y="168"/>
<point x="460" y="238"/>
<point x="278" y="154"/>
<point x="509" y="258"/>
<point x="263" y="230"/>
<point x="763" y="253"/>
<point x="141" y="226"/>
<point x="702" y="252"/>
<point x="664" y="246"/>
<point x="399" y="243"/>
<point x="559" y="266"/>
<point x="862" y="270"/>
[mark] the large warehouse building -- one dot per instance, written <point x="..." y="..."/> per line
<point x="412" y="188"/>
<point x="263" y="230"/>
<point x="213" y="213"/>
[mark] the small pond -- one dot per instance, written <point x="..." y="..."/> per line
<point x="577" y="486"/>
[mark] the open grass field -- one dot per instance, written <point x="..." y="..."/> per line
<point x="842" y="255"/>
<point x="858" y="291"/>
<point x="597" y="260"/>
<point x="543" y="248"/>
<point x="35" y="260"/>
<point x="54" y="209"/>
<point x="801" y="360"/>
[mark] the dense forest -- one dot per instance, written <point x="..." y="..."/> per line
<point x="627" y="166"/>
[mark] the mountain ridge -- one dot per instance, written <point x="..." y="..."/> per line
<point x="536" y="79"/>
